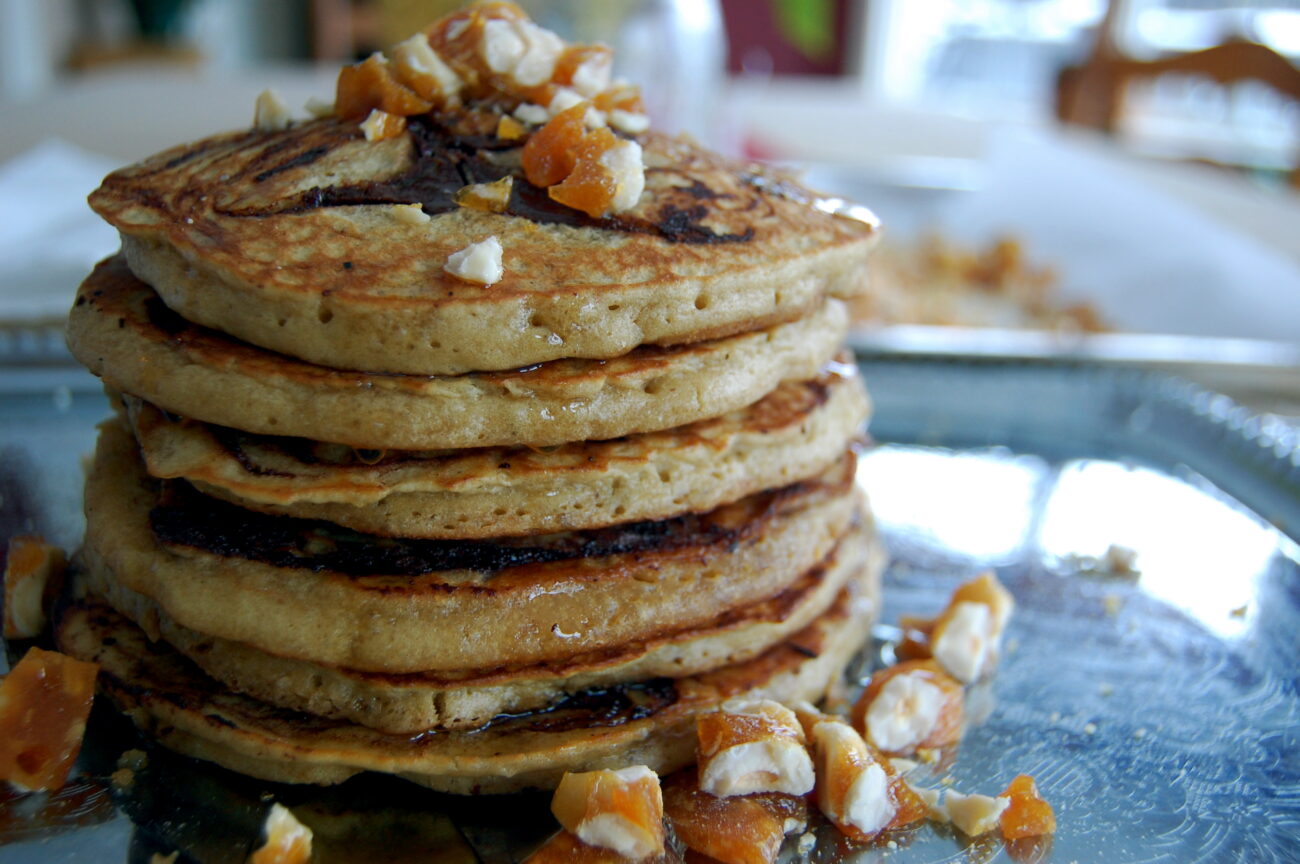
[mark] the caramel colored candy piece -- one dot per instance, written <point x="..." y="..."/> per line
<point x="753" y="746"/>
<point x="552" y="152"/>
<point x="735" y="830"/>
<point x="909" y="706"/>
<point x="288" y="841"/>
<point x="44" y="702"/>
<point x="31" y="566"/>
<point x="620" y="810"/>
<point x="365" y="86"/>
<point x="857" y="789"/>
<point x="1028" y="815"/>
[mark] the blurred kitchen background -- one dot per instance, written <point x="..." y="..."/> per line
<point x="1116" y="182"/>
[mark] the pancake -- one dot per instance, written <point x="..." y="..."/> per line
<point x="651" y="722"/>
<point x="312" y="591"/>
<point x="288" y="240"/>
<point x="794" y="432"/>
<point x="121" y="330"/>
<point x="419" y="702"/>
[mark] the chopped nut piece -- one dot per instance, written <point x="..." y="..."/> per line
<point x="478" y="262"/>
<point x="159" y="858"/>
<point x="1027" y="814"/>
<point x="270" y="114"/>
<point x="753" y="746"/>
<point x="736" y="830"/>
<point x="620" y="810"/>
<point x="934" y="809"/>
<point x="533" y="115"/>
<point x="44" y="702"/>
<point x="608" y="175"/>
<point x="551" y="153"/>
<point x="288" y="841"/>
<point x="492" y="197"/>
<point x="122" y="778"/>
<point x="319" y="108"/>
<point x="908" y="706"/>
<point x="380" y="126"/>
<point x="965" y="638"/>
<point x="417" y="66"/>
<point x="852" y="787"/>
<point x="563" y="100"/>
<point x="974" y="814"/>
<point x="626" y="121"/>
<point x="586" y="68"/>
<point x="411" y="214"/>
<point x="31" y="568"/>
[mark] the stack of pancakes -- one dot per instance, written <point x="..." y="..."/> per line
<point x="357" y="514"/>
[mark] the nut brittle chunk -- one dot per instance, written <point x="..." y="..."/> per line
<point x="734" y="830"/>
<point x="910" y="705"/>
<point x="753" y="745"/>
<point x="857" y="789"/>
<point x="1028" y="815"/>
<point x="620" y="810"/>
<point x="288" y="841"/>
<point x="31" y="565"/>
<point x="44" y="702"/>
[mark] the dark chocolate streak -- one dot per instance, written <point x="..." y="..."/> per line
<point x="444" y="162"/>
<point x="184" y="517"/>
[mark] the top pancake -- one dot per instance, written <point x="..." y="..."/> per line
<point x="290" y="240"/>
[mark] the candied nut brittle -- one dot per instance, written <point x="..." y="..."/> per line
<point x="735" y="830"/>
<point x="1027" y="814"/>
<point x="754" y="745"/>
<point x="908" y="706"/>
<point x="44" y="702"/>
<point x="857" y="789"/>
<point x="619" y="810"/>
<point x="31" y="568"/>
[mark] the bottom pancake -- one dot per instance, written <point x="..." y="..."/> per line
<point x="649" y="722"/>
<point x="419" y="702"/>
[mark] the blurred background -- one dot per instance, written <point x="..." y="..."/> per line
<point x="1116" y="181"/>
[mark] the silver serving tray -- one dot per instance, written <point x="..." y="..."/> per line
<point x="1160" y="713"/>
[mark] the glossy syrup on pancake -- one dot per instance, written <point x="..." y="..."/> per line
<point x="183" y="517"/>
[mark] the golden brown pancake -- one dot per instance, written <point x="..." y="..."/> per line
<point x="794" y="432"/>
<point x="422" y="701"/>
<point x="315" y="592"/>
<point x="123" y="333"/>
<point x="651" y="723"/>
<point x="289" y="241"/>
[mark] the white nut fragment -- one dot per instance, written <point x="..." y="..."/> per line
<point x="974" y="814"/>
<point x="542" y="49"/>
<point x="533" y="115"/>
<point x="411" y="214"/>
<point x="270" y="114"/>
<point x="419" y="67"/>
<point x="853" y="789"/>
<point x="962" y="641"/>
<point x="319" y="108"/>
<point x="478" y="262"/>
<point x="904" y="712"/>
<point x="563" y="100"/>
<point x="288" y="841"/>
<point x="750" y="746"/>
<point x="620" y="810"/>
<point x="934" y="809"/>
<point x="592" y="75"/>
<point x="631" y="122"/>
<point x="502" y="45"/>
<point x="624" y="163"/>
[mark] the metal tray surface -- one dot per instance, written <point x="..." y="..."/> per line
<point x="1158" y="710"/>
